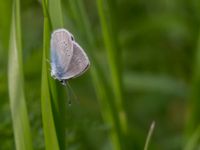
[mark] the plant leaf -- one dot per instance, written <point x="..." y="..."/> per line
<point x="19" y="113"/>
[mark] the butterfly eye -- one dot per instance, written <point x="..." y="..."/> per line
<point x="72" y="38"/>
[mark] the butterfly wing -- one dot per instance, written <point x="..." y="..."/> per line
<point x="78" y="64"/>
<point x="61" y="52"/>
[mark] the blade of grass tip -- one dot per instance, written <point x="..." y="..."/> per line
<point x="103" y="91"/>
<point x="150" y="133"/>
<point x="19" y="112"/>
<point x="51" y="141"/>
<point x="53" y="11"/>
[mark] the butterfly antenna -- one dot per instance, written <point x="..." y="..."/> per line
<point x="71" y="91"/>
<point x="68" y="97"/>
<point x="63" y="82"/>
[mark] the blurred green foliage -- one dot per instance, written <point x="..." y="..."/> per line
<point x="159" y="50"/>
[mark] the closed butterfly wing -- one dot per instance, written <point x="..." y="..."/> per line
<point x="61" y="52"/>
<point x="78" y="64"/>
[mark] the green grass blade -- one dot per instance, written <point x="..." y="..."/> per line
<point x="19" y="113"/>
<point x="55" y="12"/>
<point x="51" y="140"/>
<point x="57" y="102"/>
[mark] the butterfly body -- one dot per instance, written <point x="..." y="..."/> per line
<point x="68" y="59"/>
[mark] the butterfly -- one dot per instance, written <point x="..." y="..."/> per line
<point x="68" y="59"/>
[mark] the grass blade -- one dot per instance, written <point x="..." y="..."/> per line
<point x="51" y="140"/>
<point x="56" y="104"/>
<point x="58" y="100"/>
<point x="149" y="136"/>
<point x="55" y="13"/>
<point x="19" y="113"/>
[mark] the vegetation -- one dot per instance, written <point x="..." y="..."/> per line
<point x="145" y="64"/>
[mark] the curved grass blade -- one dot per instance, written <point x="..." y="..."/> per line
<point x="59" y="98"/>
<point x="53" y="19"/>
<point x="51" y="140"/>
<point x="19" y="113"/>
